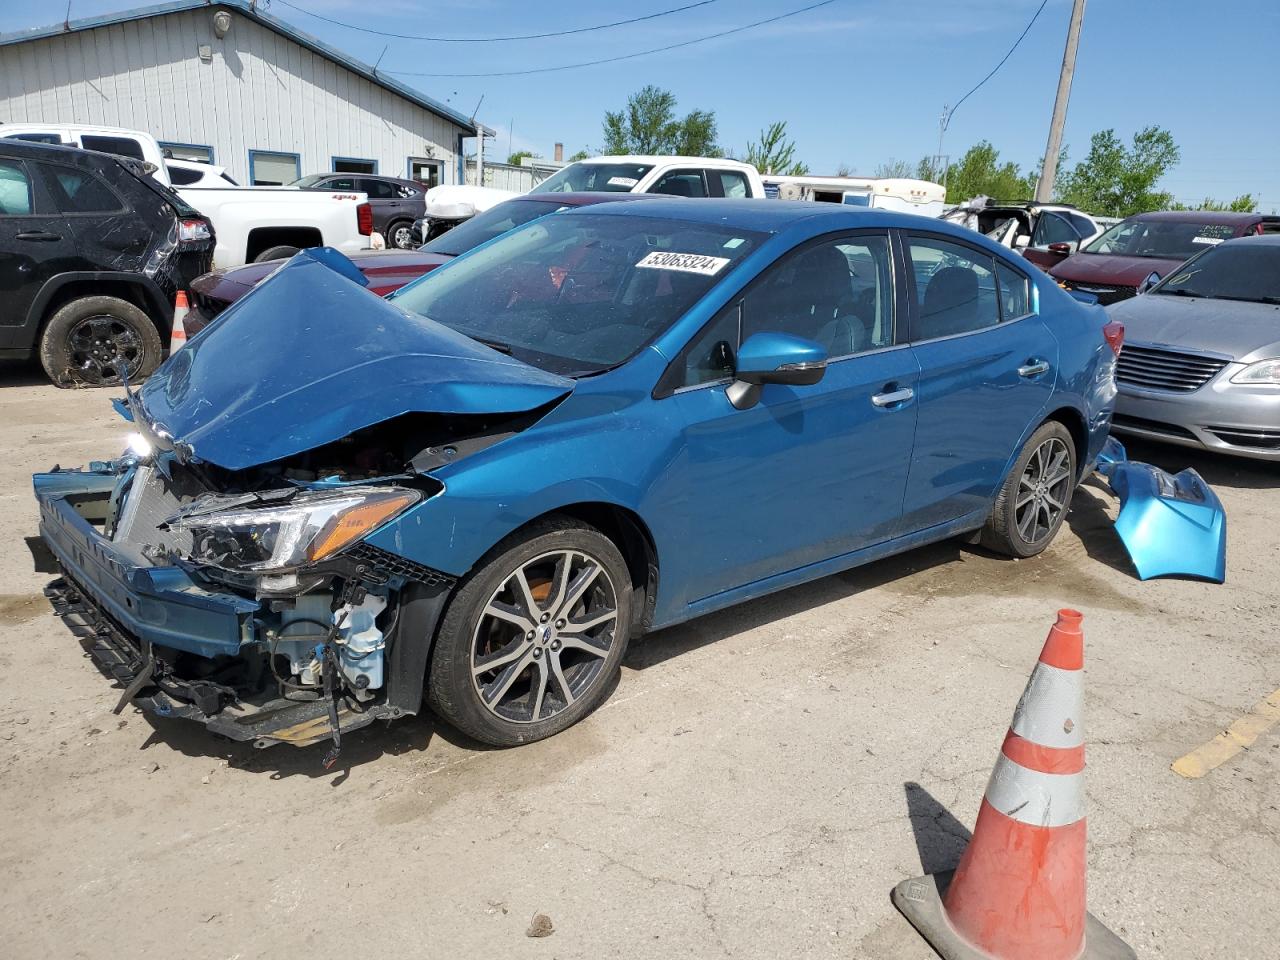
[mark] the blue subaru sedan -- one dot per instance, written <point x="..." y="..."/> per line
<point x="474" y="494"/>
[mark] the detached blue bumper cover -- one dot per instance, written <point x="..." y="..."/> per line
<point x="155" y="605"/>
<point x="1171" y="524"/>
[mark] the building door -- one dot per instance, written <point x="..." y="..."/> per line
<point x="426" y="172"/>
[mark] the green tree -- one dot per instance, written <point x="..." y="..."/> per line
<point x="1245" y="203"/>
<point x="580" y="155"/>
<point x="649" y="125"/>
<point x="844" y="170"/>
<point x="515" y="158"/>
<point x="1119" y="181"/>
<point x="774" y="153"/>
<point x="980" y="173"/>
<point x="895" y="170"/>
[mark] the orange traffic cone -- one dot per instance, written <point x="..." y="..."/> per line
<point x="178" y="334"/>
<point x="1019" y="891"/>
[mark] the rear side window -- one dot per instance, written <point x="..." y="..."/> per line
<point x="120" y="146"/>
<point x="78" y="191"/>
<point x="1015" y="300"/>
<point x="15" y="190"/>
<point x="955" y="289"/>
<point x="378" y="189"/>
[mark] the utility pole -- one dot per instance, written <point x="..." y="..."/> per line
<point x="1049" y="172"/>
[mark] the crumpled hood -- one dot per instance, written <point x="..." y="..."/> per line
<point x="309" y="357"/>
<point x="1244" y="331"/>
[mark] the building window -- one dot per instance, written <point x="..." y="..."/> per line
<point x="187" y="151"/>
<point x="354" y="165"/>
<point x="269" y="169"/>
<point x="426" y="172"/>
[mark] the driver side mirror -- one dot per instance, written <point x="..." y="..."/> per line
<point x="1152" y="279"/>
<point x="1064" y="248"/>
<point x="774" y="358"/>
<point x="1021" y="241"/>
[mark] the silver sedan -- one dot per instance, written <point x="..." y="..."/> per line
<point x="1201" y="359"/>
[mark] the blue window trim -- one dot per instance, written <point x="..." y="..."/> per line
<point x="297" y="160"/>
<point x="193" y="146"/>
<point x="333" y="163"/>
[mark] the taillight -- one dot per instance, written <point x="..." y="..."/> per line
<point x="1114" y="332"/>
<point x="364" y="219"/>
<point x="192" y="230"/>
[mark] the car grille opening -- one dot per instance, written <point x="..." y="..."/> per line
<point x="1165" y="369"/>
<point x="1107" y="294"/>
<point x="1258" y="439"/>
<point x="1122" y="421"/>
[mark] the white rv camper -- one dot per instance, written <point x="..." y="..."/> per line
<point x="906" y="196"/>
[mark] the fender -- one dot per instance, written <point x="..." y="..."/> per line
<point x="157" y="303"/>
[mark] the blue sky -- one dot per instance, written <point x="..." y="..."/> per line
<point x="858" y="82"/>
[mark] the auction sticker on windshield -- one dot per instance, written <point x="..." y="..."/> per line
<point x="623" y="181"/>
<point x="684" y="262"/>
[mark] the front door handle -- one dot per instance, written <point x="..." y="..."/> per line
<point x="892" y="397"/>
<point x="40" y="236"/>
<point x="1034" y="368"/>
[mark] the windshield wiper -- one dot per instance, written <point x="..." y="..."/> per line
<point x="1180" y="293"/>
<point x="494" y="345"/>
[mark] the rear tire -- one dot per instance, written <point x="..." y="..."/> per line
<point x="400" y="236"/>
<point x="93" y="340"/>
<point x="552" y="665"/>
<point x="1035" y="496"/>
<point x="281" y="252"/>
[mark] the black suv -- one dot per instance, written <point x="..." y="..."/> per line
<point x="92" y="254"/>
<point x="395" y="203"/>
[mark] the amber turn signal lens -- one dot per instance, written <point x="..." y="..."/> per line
<point x="352" y="524"/>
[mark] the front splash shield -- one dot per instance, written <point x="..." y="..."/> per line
<point x="1171" y="524"/>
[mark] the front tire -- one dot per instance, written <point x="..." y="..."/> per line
<point x="280" y="252"/>
<point x="533" y="638"/>
<point x="97" y="341"/>
<point x="1035" y="496"/>
<point x="400" y="236"/>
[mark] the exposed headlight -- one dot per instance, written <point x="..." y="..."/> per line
<point x="1264" y="371"/>
<point x="138" y="445"/>
<point x="309" y="527"/>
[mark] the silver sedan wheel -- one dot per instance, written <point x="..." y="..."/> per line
<point x="1042" y="491"/>
<point x="542" y="639"/>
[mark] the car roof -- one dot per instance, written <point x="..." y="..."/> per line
<point x="779" y="216"/>
<point x="655" y="160"/>
<point x="1222" y="217"/>
<point x="582" y="198"/>
<point x="50" y="151"/>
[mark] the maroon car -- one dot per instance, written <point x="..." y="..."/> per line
<point x="389" y="270"/>
<point x="1114" y="265"/>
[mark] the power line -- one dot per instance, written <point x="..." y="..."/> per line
<point x="627" y="56"/>
<point x="525" y="36"/>
<point x="1021" y="36"/>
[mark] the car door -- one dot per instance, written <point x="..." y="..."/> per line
<point x="35" y="245"/>
<point x="988" y="365"/>
<point x="807" y="473"/>
<point x="1050" y="228"/>
<point x="681" y="183"/>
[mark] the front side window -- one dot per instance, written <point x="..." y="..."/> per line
<point x="578" y="293"/>
<point x="15" y="190"/>
<point x="681" y="183"/>
<point x="78" y="191"/>
<point x="838" y="293"/>
<point x="1051" y="228"/>
<point x="610" y="177"/>
<point x="955" y="288"/>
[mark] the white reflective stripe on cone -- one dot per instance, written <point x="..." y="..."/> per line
<point x="1038" y="799"/>
<point x="1051" y="711"/>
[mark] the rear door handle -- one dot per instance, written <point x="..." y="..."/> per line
<point x="892" y="397"/>
<point x="40" y="236"/>
<point x="1034" y="368"/>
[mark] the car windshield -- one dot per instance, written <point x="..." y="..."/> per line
<point x="579" y="293"/>
<point x="485" y="226"/>
<point x="1236" y="271"/>
<point x="613" y="177"/>
<point x="1162" y="239"/>
<point x="310" y="180"/>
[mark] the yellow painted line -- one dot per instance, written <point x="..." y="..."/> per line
<point x="1241" y="735"/>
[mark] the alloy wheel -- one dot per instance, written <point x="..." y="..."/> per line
<point x="542" y="639"/>
<point x="104" y="350"/>
<point x="1042" y="491"/>
<point x="402" y="238"/>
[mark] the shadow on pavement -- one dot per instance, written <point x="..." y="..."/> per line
<point x="1218" y="469"/>
<point x="940" y="837"/>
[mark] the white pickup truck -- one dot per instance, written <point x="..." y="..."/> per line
<point x="677" y="176"/>
<point x="249" y="223"/>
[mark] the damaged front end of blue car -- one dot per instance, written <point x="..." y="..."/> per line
<point x="1170" y="524"/>
<point x="220" y="569"/>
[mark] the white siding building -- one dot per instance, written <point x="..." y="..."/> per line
<point x="227" y="83"/>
